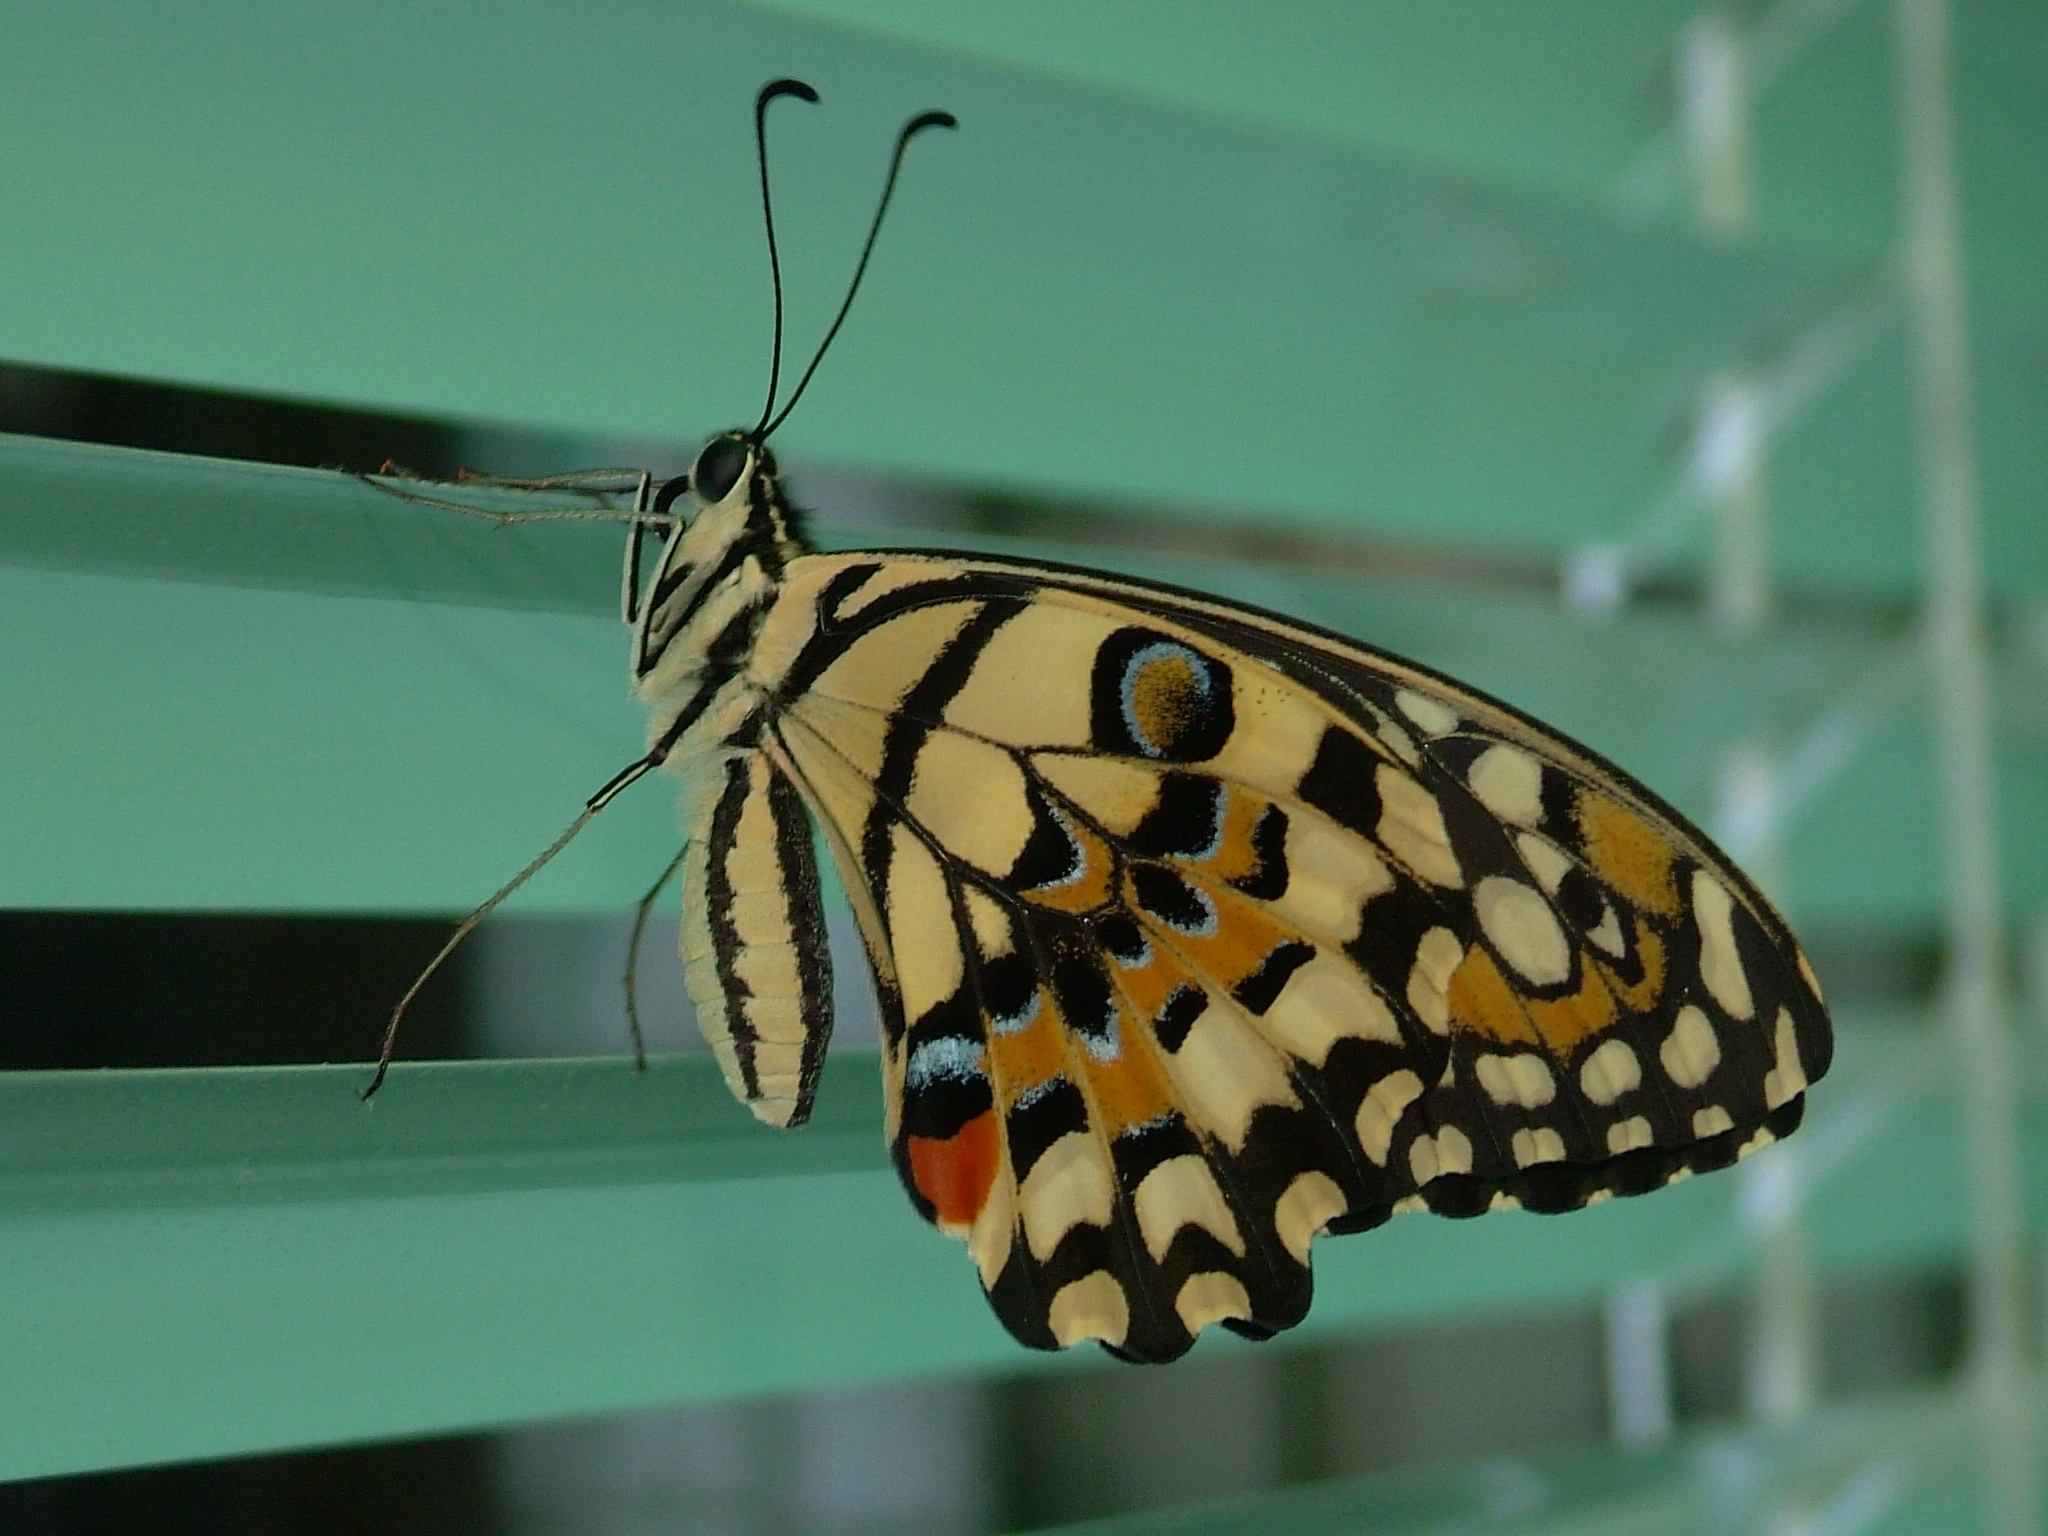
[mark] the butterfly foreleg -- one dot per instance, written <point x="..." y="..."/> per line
<point x="646" y="510"/>
<point x="600" y="487"/>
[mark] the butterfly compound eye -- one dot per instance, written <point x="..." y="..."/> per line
<point x="718" y="468"/>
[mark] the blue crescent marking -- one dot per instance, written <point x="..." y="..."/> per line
<point x="948" y="1058"/>
<point x="1076" y="869"/>
<point x="1206" y="928"/>
<point x="1106" y="1046"/>
<point x="1012" y="1023"/>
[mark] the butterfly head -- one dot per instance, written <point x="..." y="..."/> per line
<point x="721" y="465"/>
<point x="727" y="521"/>
<point x="727" y="533"/>
<point x="728" y="475"/>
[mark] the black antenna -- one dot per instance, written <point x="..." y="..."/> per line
<point x="910" y="131"/>
<point x="770" y="92"/>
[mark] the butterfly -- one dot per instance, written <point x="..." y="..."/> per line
<point x="1197" y="932"/>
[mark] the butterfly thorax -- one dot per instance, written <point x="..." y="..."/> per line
<point x="718" y="576"/>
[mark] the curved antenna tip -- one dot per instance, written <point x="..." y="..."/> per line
<point x="771" y="419"/>
<point x="786" y="86"/>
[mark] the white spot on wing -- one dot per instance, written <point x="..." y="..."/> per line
<point x="1524" y="931"/>
<point x="1181" y="1192"/>
<point x="1509" y="783"/>
<point x="1607" y="933"/>
<point x="1210" y="1297"/>
<point x="1278" y="732"/>
<point x="1433" y="716"/>
<point x="1539" y="1144"/>
<point x="1711" y="1121"/>
<point x="1092" y="1307"/>
<point x="1226" y="1072"/>
<point x="1449" y="1151"/>
<point x="1609" y="1072"/>
<point x="1628" y="1135"/>
<point x="1691" y="1051"/>
<point x="1323" y="1002"/>
<point x="1720" y="964"/>
<point x="1331" y="875"/>
<point x="1068" y="1185"/>
<point x="993" y="1235"/>
<point x="1396" y="739"/>
<point x="993" y="935"/>
<point x="1381" y="1110"/>
<point x="1301" y="1212"/>
<point x="1436" y="957"/>
<point x="1786" y="1080"/>
<point x="1520" y="1078"/>
<point x="1546" y="861"/>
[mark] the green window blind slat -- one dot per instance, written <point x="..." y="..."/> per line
<point x="350" y="703"/>
<point x="215" y="1263"/>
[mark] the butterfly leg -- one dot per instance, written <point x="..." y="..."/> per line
<point x="640" y="917"/>
<point x="468" y="925"/>
<point x="596" y="484"/>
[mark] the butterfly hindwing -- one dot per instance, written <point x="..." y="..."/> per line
<point x="1199" y="933"/>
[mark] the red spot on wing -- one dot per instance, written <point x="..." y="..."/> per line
<point x="956" y="1172"/>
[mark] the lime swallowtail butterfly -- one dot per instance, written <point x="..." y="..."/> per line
<point x="1198" y="932"/>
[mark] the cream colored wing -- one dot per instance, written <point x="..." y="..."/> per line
<point x="1200" y="933"/>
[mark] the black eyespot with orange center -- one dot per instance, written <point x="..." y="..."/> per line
<point x="1158" y="697"/>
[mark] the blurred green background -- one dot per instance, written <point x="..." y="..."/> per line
<point x="1567" y="348"/>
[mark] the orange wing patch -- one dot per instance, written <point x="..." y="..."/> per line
<point x="1626" y="852"/>
<point x="1482" y="1002"/>
<point x="956" y="1173"/>
<point x="1566" y="1023"/>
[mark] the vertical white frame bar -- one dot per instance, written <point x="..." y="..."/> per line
<point x="1974" y="986"/>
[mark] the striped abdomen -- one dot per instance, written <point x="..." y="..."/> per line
<point x="753" y="939"/>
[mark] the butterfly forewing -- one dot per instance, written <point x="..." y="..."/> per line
<point x="1199" y="933"/>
